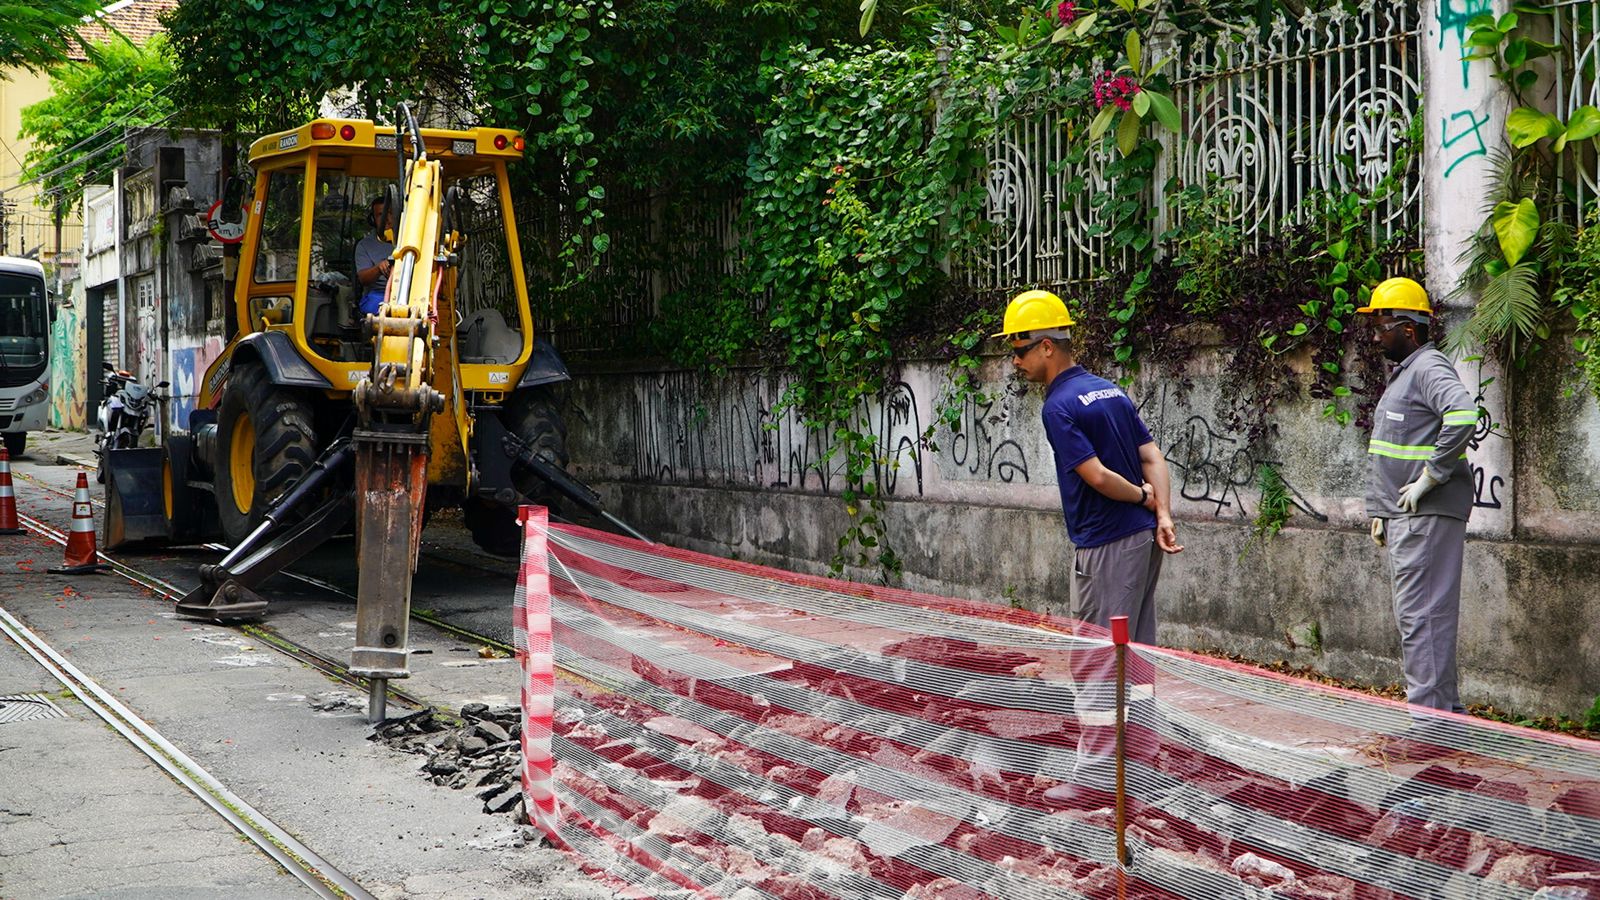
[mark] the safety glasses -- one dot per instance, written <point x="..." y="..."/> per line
<point x="1020" y="352"/>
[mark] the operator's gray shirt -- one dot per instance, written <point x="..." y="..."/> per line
<point x="370" y="251"/>
<point x="1425" y="418"/>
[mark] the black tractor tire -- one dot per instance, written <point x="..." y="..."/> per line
<point x="530" y="415"/>
<point x="277" y="423"/>
<point x="187" y="509"/>
<point x="16" y="442"/>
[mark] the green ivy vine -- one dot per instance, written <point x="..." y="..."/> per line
<point x="865" y="181"/>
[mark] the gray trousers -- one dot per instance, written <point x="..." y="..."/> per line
<point x="1425" y="568"/>
<point x="1115" y="579"/>
<point x="1119" y="579"/>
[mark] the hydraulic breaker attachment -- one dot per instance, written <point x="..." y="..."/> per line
<point x="133" y="496"/>
<point x="227" y="589"/>
<point x="565" y="484"/>
<point x="391" y="485"/>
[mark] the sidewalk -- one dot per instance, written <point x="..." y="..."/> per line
<point x="84" y="813"/>
<point x="60" y="448"/>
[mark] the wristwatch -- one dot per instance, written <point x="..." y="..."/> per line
<point x="1144" y="495"/>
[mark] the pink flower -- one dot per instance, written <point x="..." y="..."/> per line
<point x="1114" y="90"/>
<point x="1067" y="12"/>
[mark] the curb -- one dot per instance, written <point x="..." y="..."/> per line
<point x="66" y="459"/>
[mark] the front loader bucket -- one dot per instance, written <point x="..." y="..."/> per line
<point x="133" y="497"/>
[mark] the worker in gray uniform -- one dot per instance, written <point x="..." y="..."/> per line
<point x="1419" y="488"/>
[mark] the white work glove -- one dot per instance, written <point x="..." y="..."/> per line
<point x="1412" y="493"/>
<point x="1378" y="536"/>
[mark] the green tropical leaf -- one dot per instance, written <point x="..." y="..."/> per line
<point x="1165" y="112"/>
<point x="1128" y="133"/>
<point x="1101" y="122"/>
<point x="1509" y="311"/>
<point x="1583" y="123"/>
<point x="869" y="9"/>
<point x="1516" y="225"/>
<point x="1526" y="125"/>
<point x="1131" y="45"/>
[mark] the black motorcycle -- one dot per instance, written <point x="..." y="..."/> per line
<point x="125" y="409"/>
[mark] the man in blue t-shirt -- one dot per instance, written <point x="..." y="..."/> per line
<point x="372" y="257"/>
<point x="1115" y="488"/>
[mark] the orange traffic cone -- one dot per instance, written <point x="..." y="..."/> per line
<point x="8" y="497"/>
<point x="81" y="556"/>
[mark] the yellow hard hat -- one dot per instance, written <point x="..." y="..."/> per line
<point x="1399" y="295"/>
<point x="1035" y="311"/>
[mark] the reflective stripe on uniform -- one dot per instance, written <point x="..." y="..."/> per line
<point x="1402" y="451"/>
<point x="1461" y="417"/>
<point x="1399" y="451"/>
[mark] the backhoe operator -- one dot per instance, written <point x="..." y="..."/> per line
<point x="372" y="257"/>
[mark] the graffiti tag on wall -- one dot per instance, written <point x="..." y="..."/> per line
<point x="738" y="430"/>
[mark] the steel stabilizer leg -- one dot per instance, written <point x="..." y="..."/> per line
<point x="226" y="590"/>
<point x="391" y="485"/>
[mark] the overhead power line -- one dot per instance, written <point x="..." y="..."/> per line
<point x="107" y="128"/>
<point x="81" y="159"/>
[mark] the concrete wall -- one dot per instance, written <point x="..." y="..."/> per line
<point x="172" y="179"/>
<point x="709" y="465"/>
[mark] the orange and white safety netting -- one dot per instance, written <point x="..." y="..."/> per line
<point x="731" y="730"/>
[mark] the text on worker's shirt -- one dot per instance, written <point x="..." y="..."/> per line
<point x="1092" y="396"/>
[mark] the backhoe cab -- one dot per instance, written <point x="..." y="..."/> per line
<point x="317" y="411"/>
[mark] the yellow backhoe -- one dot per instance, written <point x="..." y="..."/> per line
<point x="384" y="365"/>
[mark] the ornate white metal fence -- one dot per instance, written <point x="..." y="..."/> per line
<point x="1576" y="28"/>
<point x="1324" y="103"/>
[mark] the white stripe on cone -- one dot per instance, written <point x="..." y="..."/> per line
<point x="80" y="541"/>
<point x="8" y="497"/>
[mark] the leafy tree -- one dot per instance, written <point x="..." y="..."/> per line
<point x="36" y="35"/>
<point x="255" y="66"/>
<point x="77" y="132"/>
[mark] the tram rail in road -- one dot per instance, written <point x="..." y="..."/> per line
<point x="295" y="857"/>
<point x="283" y="848"/>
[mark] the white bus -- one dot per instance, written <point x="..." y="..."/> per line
<point x="24" y="351"/>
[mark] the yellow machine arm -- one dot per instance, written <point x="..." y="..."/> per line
<point x="394" y="404"/>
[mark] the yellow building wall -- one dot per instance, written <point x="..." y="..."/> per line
<point x="30" y="230"/>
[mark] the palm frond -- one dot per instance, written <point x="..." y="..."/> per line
<point x="1508" y="313"/>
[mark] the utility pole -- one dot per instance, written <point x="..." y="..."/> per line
<point x="59" y="212"/>
<point x="7" y="207"/>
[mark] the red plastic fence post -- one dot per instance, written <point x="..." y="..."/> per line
<point x="533" y="612"/>
<point x="1119" y="638"/>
